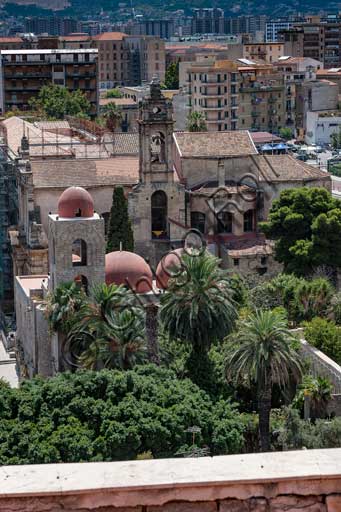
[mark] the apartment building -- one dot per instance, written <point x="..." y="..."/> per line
<point x="128" y="60"/>
<point x="269" y="52"/>
<point x="318" y="40"/>
<point x="213" y="89"/>
<point x="113" y="59"/>
<point x="147" y="59"/>
<point x="273" y="27"/>
<point x="24" y="72"/>
<point x="261" y="98"/>
<point x="296" y="70"/>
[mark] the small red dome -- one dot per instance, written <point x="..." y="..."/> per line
<point x="129" y="269"/>
<point x="75" y="202"/>
<point x="167" y="267"/>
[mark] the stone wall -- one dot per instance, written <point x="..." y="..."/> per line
<point x="307" y="480"/>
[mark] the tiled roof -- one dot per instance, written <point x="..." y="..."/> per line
<point x="214" y="144"/>
<point x="263" y="137"/>
<point x="121" y="143"/>
<point x="109" y="36"/>
<point x="10" y="40"/>
<point x="85" y="172"/>
<point x="287" y="168"/>
<point x="52" y="125"/>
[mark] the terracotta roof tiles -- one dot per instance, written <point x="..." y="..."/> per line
<point x="214" y="144"/>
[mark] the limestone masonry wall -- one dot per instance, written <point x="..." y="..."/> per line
<point x="300" y="481"/>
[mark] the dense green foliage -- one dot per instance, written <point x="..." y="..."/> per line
<point x="119" y="230"/>
<point x="172" y="76"/>
<point x="325" y="335"/>
<point x="56" y="102"/>
<point x="112" y="115"/>
<point x="114" y="93"/>
<point x="111" y="415"/>
<point x="303" y="299"/>
<point x="196" y="122"/>
<point x="286" y="133"/>
<point x="335" y="140"/>
<point x="318" y="390"/>
<point x="306" y="225"/>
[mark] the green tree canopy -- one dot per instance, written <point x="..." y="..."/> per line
<point x="306" y="225"/>
<point x="196" y="122"/>
<point x="112" y="115"/>
<point x="56" y="102"/>
<point x="286" y="133"/>
<point x="172" y="76"/>
<point x="111" y="415"/>
<point x="119" y="230"/>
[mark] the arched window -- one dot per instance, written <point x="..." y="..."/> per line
<point x="158" y="148"/>
<point x="248" y="221"/>
<point x="79" y="253"/>
<point x="225" y="221"/>
<point x="198" y="221"/>
<point x="82" y="282"/>
<point x="159" y="215"/>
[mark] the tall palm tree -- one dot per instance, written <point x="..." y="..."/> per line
<point x="112" y="115"/>
<point x="263" y="358"/>
<point x="196" y="122"/>
<point x="198" y="306"/>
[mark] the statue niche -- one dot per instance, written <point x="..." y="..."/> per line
<point x="158" y="148"/>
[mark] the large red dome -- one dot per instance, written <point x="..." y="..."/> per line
<point x="75" y="202"/>
<point x="129" y="269"/>
<point x="167" y="267"/>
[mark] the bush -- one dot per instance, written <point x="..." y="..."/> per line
<point x="111" y="415"/>
<point x="324" y="335"/>
<point x="335" y="308"/>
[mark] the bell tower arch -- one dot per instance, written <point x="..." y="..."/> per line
<point x="156" y="136"/>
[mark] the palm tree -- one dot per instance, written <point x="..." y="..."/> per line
<point x="112" y="115"/>
<point x="264" y="357"/>
<point x="109" y="331"/>
<point x="317" y="391"/>
<point x="196" y="122"/>
<point x="198" y="308"/>
<point x="62" y="304"/>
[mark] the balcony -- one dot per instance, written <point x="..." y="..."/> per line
<point x="212" y="95"/>
<point x="265" y="88"/>
<point x="212" y="107"/>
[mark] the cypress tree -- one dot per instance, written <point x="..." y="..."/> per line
<point x="119" y="230"/>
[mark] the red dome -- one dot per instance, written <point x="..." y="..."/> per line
<point x="75" y="202"/>
<point x="167" y="267"/>
<point x="129" y="269"/>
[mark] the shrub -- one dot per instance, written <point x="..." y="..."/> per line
<point x="325" y="335"/>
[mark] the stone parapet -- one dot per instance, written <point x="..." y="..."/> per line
<point x="308" y="480"/>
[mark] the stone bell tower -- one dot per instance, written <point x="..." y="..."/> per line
<point x="76" y="241"/>
<point x="156" y="136"/>
<point x="157" y="203"/>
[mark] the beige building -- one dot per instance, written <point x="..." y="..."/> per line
<point x="213" y="89"/>
<point x="261" y="98"/>
<point x="112" y="59"/>
<point x="128" y="60"/>
<point x="269" y="52"/>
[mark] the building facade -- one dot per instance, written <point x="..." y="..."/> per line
<point x="269" y="52"/>
<point x="24" y="72"/>
<point x="213" y="87"/>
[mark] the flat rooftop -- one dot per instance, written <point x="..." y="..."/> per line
<point x="48" y="52"/>
<point x="34" y="282"/>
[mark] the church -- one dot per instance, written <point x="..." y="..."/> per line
<point x="214" y="185"/>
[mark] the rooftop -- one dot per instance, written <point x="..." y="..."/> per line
<point x="49" y="52"/>
<point x="118" y="101"/>
<point x="30" y="283"/>
<point x="214" y="144"/>
<point x="263" y="137"/>
<point x="85" y="173"/>
<point x="109" y="36"/>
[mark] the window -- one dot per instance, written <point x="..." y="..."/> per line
<point x="236" y="262"/>
<point x="79" y="253"/>
<point x="198" y="221"/>
<point x="225" y="220"/>
<point x="248" y="221"/>
<point x="159" y="214"/>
